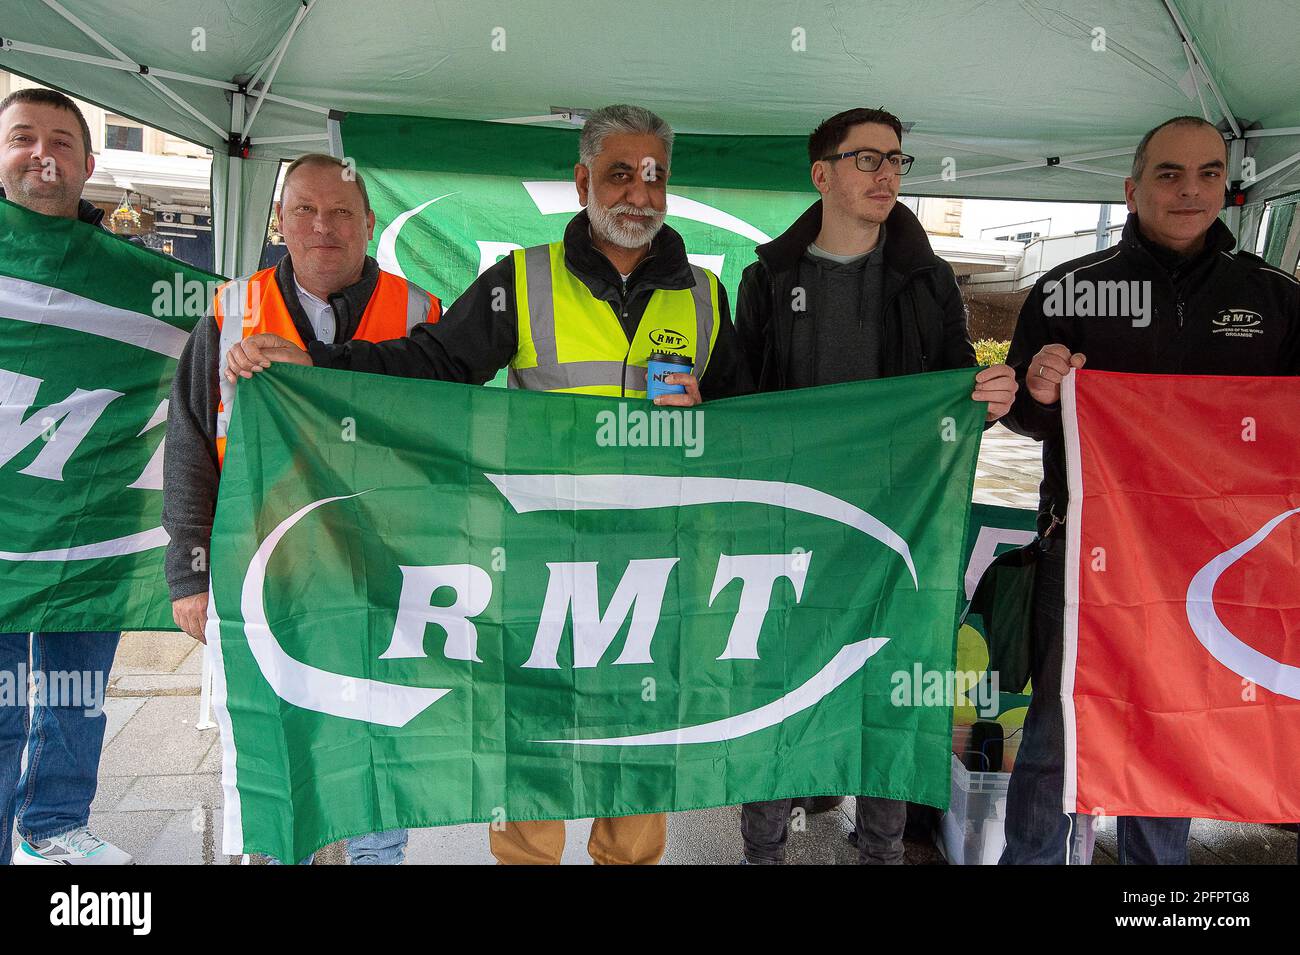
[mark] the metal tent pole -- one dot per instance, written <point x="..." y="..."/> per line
<point x="142" y="72"/>
<point x="230" y="239"/>
<point x="260" y="98"/>
<point x="1189" y="47"/>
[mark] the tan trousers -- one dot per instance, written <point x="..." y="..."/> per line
<point x="626" y="840"/>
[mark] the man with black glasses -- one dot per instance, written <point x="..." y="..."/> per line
<point x="852" y="291"/>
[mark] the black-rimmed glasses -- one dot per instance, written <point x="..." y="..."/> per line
<point x="869" y="160"/>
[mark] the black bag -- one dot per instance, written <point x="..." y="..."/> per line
<point x="1004" y="598"/>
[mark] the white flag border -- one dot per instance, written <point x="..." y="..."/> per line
<point x="1073" y="543"/>
<point x="232" y="810"/>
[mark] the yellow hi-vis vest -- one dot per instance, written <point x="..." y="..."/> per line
<point x="571" y="341"/>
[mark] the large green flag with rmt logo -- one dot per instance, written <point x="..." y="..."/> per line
<point x="90" y="331"/>
<point x="436" y="603"/>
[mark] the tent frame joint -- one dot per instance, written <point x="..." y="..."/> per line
<point x="238" y="147"/>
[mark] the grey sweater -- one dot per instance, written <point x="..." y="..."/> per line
<point x="839" y="335"/>
<point x="190" y="472"/>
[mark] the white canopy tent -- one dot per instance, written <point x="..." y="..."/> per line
<point x="1025" y="100"/>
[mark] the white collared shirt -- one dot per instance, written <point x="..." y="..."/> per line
<point x="319" y="313"/>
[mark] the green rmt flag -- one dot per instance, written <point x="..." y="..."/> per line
<point x="90" y="331"/>
<point x="438" y="604"/>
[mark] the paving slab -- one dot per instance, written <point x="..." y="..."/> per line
<point x="709" y="837"/>
<point x="1009" y="469"/>
<point x="156" y="684"/>
<point x="110" y="791"/>
<point x="1237" y="843"/>
<point x="159" y="740"/>
<point x="151" y="651"/>
<point x="188" y="792"/>
<point x="119" y="713"/>
<point x="468" y="845"/>
<point x="193" y="662"/>
<point x="136" y="832"/>
<point x="212" y="759"/>
<point x="188" y="837"/>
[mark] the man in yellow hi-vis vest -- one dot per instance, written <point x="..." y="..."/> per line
<point x="583" y="316"/>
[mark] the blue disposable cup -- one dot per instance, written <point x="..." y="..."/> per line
<point x="661" y="364"/>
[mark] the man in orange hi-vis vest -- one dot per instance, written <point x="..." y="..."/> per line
<point x="327" y="290"/>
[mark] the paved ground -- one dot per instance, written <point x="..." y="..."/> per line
<point x="159" y="794"/>
<point x="1009" y="469"/>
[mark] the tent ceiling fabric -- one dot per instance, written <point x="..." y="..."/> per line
<point x="985" y="84"/>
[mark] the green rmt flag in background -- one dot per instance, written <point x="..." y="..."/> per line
<point x="451" y="198"/>
<point x="437" y="604"/>
<point x="90" y="331"/>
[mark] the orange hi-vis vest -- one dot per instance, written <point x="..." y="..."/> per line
<point x="396" y="306"/>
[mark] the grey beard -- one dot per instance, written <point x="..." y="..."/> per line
<point x="605" y="223"/>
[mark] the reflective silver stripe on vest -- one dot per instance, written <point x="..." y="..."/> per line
<point x="703" y="318"/>
<point x="418" y="306"/>
<point x="578" y="374"/>
<point x="541" y="303"/>
<point x="233" y="297"/>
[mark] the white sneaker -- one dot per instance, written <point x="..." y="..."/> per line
<point x="78" y="847"/>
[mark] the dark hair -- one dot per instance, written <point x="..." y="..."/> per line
<point x="44" y="97"/>
<point x="322" y="159"/>
<point x="827" y="137"/>
<point x="1140" y="156"/>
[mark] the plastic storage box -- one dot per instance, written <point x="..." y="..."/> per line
<point x="973" y="830"/>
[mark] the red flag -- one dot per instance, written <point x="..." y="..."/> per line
<point x="1181" y="683"/>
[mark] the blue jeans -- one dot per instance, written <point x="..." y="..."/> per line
<point x="62" y="732"/>
<point x="374" y="848"/>
<point x="1038" y="831"/>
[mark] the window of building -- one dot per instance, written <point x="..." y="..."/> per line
<point x="123" y="133"/>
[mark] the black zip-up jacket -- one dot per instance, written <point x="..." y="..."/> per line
<point x="190" y="471"/>
<point x="478" y="335"/>
<point x="1217" y="313"/>
<point x="924" y="318"/>
<point x="91" y="214"/>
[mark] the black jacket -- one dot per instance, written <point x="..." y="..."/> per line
<point x="89" y="213"/>
<point x="478" y="335"/>
<point x="1190" y="330"/>
<point x="924" y="318"/>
